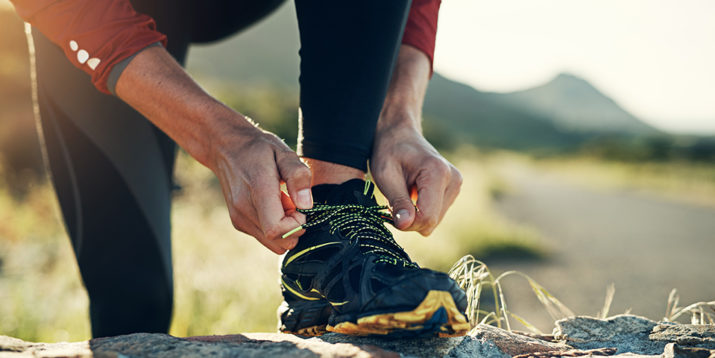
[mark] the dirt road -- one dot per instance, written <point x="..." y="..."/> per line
<point x="643" y="244"/>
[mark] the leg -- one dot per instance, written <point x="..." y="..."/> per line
<point x="213" y="20"/>
<point x="348" y="50"/>
<point x="112" y="174"/>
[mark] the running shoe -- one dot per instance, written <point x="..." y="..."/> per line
<point x="348" y="275"/>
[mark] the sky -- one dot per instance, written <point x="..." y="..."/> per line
<point x="656" y="58"/>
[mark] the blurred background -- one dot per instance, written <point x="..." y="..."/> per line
<point x="585" y="132"/>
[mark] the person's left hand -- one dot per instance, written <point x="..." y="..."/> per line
<point x="405" y="165"/>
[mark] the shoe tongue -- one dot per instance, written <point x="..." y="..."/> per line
<point x="349" y="192"/>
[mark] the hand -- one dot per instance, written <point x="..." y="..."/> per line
<point x="403" y="165"/>
<point x="249" y="163"/>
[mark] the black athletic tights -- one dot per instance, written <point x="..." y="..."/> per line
<point x="112" y="169"/>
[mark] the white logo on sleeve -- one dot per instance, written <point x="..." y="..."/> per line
<point x="83" y="56"/>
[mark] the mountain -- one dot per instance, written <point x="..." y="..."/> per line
<point x="574" y="104"/>
<point x="482" y="118"/>
<point x="560" y="114"/>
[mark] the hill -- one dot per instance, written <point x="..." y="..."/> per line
<point x="572" y="103"/>
<point x="560" y="114"/>
<point x="482" y="118"/>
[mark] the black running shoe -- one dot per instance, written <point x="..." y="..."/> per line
<point x="348" y="275"/>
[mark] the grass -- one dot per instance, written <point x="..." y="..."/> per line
<point x="682" y="181"/>
<point x="225" y="281"/>
<point x="472" y="226"/>
<point x="476" y="278"/>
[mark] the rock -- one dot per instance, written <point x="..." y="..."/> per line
<point x="685" y="334"/>
<point x="621" y="336"/>
<point x="416" y="347"/>
<point x="570" y="353"/>
<point x="626" y="333"/>
<point x="635" y="334"/>
<point x="513" y="343"/>
<point x="673" y="350"/>
<point x="487" y="342"/>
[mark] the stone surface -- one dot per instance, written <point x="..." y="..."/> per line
<point x="513" y="343"/>
<point x="253" y="345"/>
<point x="673" y="350"/>
<point x="487" y="342"/>
<point x="685" y="334"/>
<point x="626" y="333"/>
<point x="636" y="335"/>
<point x="620" y="336"/>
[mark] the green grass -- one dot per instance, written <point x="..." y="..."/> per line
<point x="225" y="281"/>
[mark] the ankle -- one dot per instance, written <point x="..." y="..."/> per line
<point x="331" y="173"/>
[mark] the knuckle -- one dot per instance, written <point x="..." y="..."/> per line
<point x="236" y="222"/>
<point x="272" y="232"/>
<point x="438" y="166"/>
<point x="299" y="172"/>
<point x="457" y="177"/>
<point x="402" y="201"/>
<point x="429" y="222"/>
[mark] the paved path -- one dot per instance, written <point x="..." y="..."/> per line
<point x="645" y="245"/>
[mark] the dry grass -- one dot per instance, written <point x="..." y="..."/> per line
<point x="475" y="278"/>
<point x="225" y="281"/>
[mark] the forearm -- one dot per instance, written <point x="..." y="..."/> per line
<point x="405" y="96"/>
<point x="156" y="86"/>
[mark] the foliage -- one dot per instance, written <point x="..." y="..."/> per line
<point x="225" y="281"/>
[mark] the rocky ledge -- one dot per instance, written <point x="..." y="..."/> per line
<point x="623" y="336"/>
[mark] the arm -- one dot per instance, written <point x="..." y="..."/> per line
<point x="250" y="163"/>
<point x="403" y="162"/>
<point x="94" y="34"/>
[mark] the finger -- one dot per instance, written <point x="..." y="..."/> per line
<point x="288" y="205"/>
<point x="297" y="178"/>
<point x="289" y="209"/>
<point x="430" y="195"/>
<point x="241" y="223"/>
<point x="394" y="186"/>
<point x="453" y="189"/>
<point x="266" y="198"/>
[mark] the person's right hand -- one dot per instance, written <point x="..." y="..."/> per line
<point x="250" y="163"/>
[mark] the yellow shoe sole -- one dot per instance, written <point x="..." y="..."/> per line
<point x="404" y="322"/>
<point x="312" y="331"/>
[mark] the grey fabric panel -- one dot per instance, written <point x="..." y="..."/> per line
<point x="119" y="68"/>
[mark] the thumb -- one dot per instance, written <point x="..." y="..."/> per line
<point x="297" y="177"/>
<point x="394" y="187"/>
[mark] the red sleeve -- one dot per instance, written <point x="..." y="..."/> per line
<point x="421" y="27"/>
<point x="94" y="34"/>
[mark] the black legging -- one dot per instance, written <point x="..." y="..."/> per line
<point x="112" y="169"/>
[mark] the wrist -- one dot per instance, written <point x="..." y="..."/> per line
<point x="396" y="116"/>
<point x="403" y="103"/>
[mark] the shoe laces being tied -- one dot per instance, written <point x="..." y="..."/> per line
<point x="366" y="224"/>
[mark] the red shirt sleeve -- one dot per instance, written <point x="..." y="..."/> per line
<point x="94" y="34"/>
<point x="421" y="27"/>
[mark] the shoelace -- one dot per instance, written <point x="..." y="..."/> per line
<point x="364" y="223"/>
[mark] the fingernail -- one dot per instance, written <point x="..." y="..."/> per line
<point x="304" y="199"/>
<point x="402" y="215"/>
